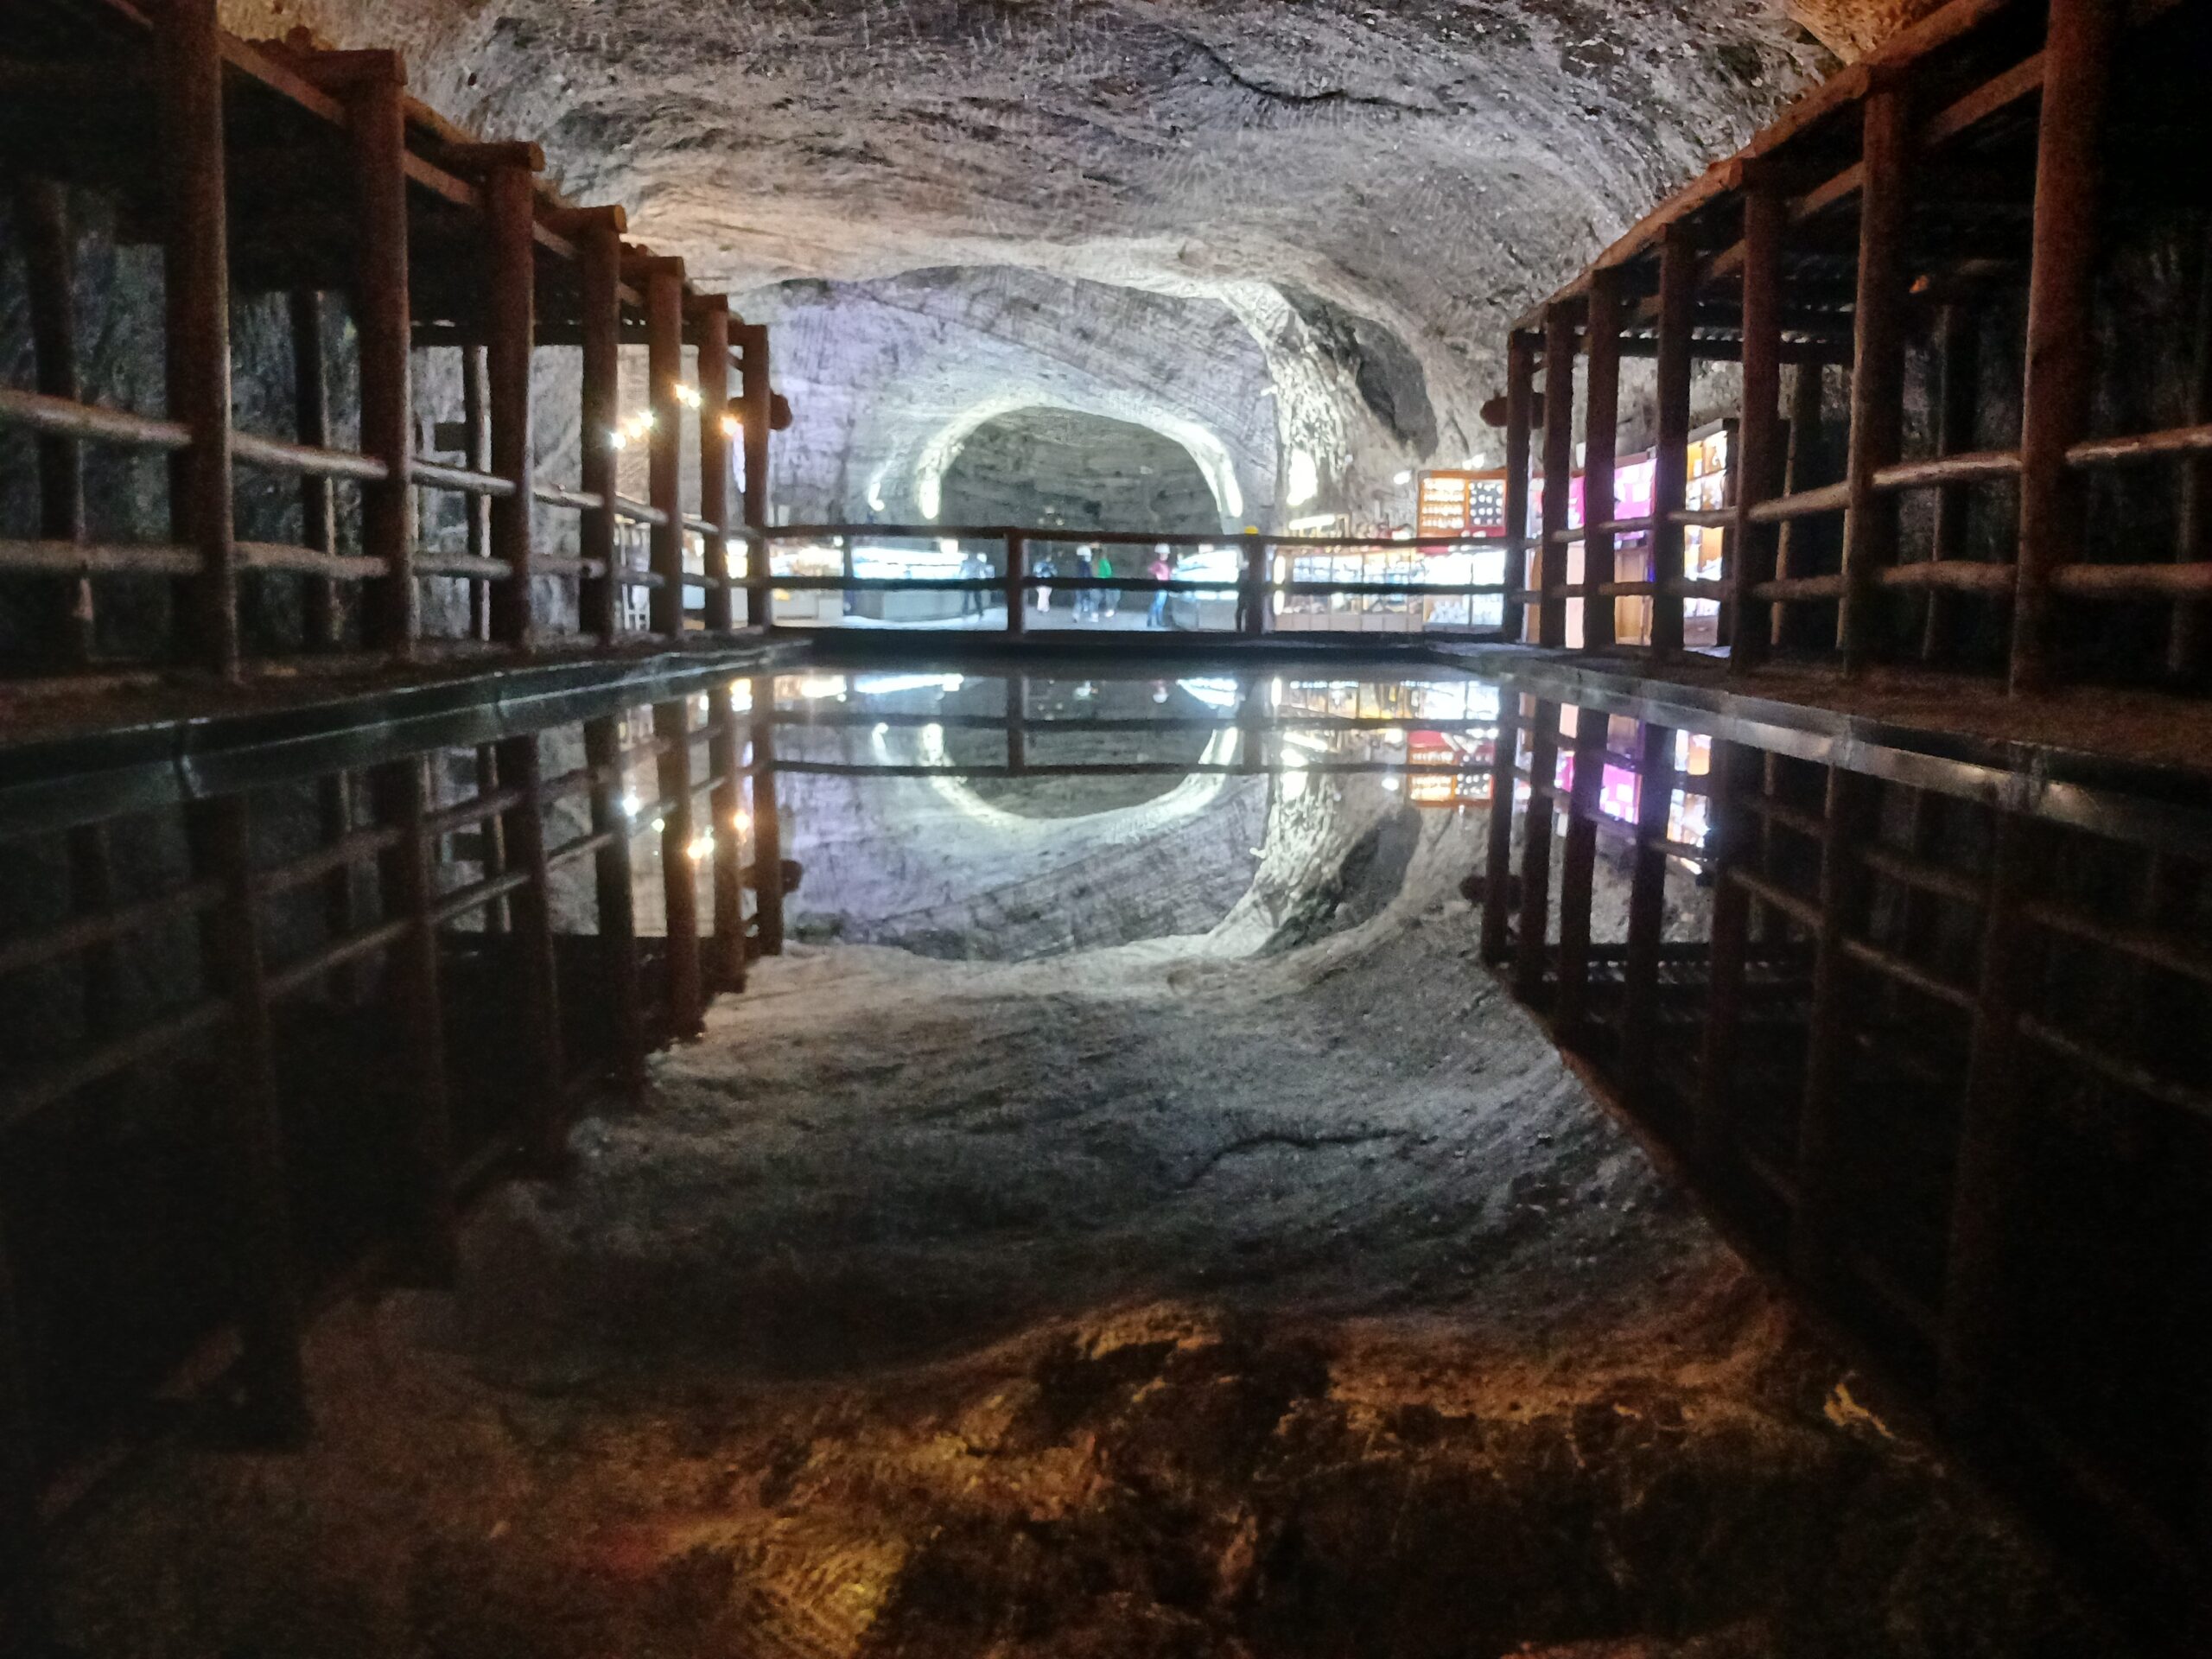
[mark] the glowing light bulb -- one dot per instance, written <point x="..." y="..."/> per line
<point x="699" y="849"/>
<point x="733" y="428"/>
<point x="630" y="803"/>
<point x="660" y="824"/>
<point x="617" y="439"/>
<point x="740" y="822"/>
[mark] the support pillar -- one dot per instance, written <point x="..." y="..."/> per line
<point x="196" y="285"/>
<point x="753" y="343"/>
<point x="616" y="902"/>
<point x="1647" y="915"/>
<point x="1759" y="429"/>
<point x="1670" y="466"/>
<point x="716" y="426"/>
<point x="679" y="874"/>
<point x="598" y="243"/>
<point x="664" y="280"/>
<point x="1520" y="370"/>
<point x="542" y="1127"/>
<point x="767" y="825"/>
<point x="376" y="108"/>
<point x="1600" y="430"/>
<point x="1529" y="960"/>
<point x="1713" y="1126"/>
<point x="1958" y="381"/>
<point x="49" y="264"/>
<point x="2061" y="354"/>
<point x="1498" y="878"/>
<point x="1559" y="476"/>
<point x="1577" y="873"/>
<point x="510" y="209"/>
<point x="1870" y="524"/>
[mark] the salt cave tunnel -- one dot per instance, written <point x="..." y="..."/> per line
<point x="645" y="1017"/>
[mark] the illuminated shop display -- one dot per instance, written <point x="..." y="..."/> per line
<point x="1472" y="751"/>
<point x="1707" y="485"/>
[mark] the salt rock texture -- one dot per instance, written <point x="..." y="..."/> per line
<point x="1362" y="194"/>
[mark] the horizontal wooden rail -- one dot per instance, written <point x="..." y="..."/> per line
<point x="436" y="475"/>
<point x="62" y="417"/>
<point x="98" y="559"/>
<point x="1800" y="910"/>
<point x="1805" y="503"/>
<point x="1978" y="467"/>
<point x="470" y="567"/>
<point x="1958" y="575"/>
<point x="252" y="450"/>
<point x="2142" y="447"/>
<point x="309" y="562"/>
<point x="2165" y="580"/>
<point x="552" y="495"/>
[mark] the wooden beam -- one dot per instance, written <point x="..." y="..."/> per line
<point x="1759" y="431"/>
<point x="1497" y="878"/>
<point x="509" y="195"/>
<point x="679" y="872"/>
<point x="1958" y="385"/>
<point x="1530" y="958"/>
<point x="1869" y="528"/>
<point x="1600" y="428"/>
<point x="1578" y="855"/>
<point x="2061" y="354"/>
<point x="430" y="1248"/>
<point x="197" y="288"/>
<point x="664" y="281"/>
<point x="49" y="269"/>
<point x="1559" y="473"/>
<point x="767" y="822"/>
<point x="1520" y="372"/>
<point x="598" y="243"/>
<point x="270" y="1313"/>
<point x="1816" y="1253"/>
<point x="375" y="108"/>
<point x="1713" y="1131"/>
<point x="1647" y="915"/>
<point x="1670" y="482"/>
<point x="711" y="323"/>
<point x="752" y="342"/>
<point x="543" y="1128"/>
<point x="616" y="902"/>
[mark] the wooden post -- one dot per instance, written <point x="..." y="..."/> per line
<point x="1671" y="454"/>
<point x="1252" y="619"/>
<point x="716" y="424"/>
<point x="543" y="1128"/>
<point x="25" y="1617"/>
<point x="1958" y="381"/>
<point x="1520" y="370"/>
<point x="1647" y="916"/>
<point x="1600" y="429"/>
<point x="1497" y="864"/>
<point x="1802" y="461"/>
<point x="311" y="426"/>
<point x="1980" y="1292"/>
<point x="49" y="267"/>
<point x="726" y="806"/>
<point x="600" y="250"/>
<point x="492" y="836"/>
<point x="679" y="875"/>
<point x="271" y="1315"/>
<point x="752" y="344"/>
<point x="1870" y="525"/>
<point x="2186" y="637"/>
<point x="1559" y="475"/>
<point x="1759" y="429"/>
<point x="476" y="416"/>
<point x="1529" y="960"/>
<point x="1578" y="867"/>
<point x="1017" y="582"/>
<point x="664" y="280"/>
<point x="196" y="284"/>
<point x="376" y="111"/>
<point x="509" y="213"/>
<point x="2062" y="354"/>
<point x="767" y="825"/>
<point x="432" y="1248"/>
<point x="1713" y="1126"/>
<point x="1823" y="1135"/>
<point x="617" y="907"/>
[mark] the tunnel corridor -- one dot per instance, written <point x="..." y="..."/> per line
<point x="1105" y="828"/>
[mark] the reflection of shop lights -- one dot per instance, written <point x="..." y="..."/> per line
<point x="629" y="804"/>
<point x="740" y="822"/>
<point x="1396" y="737"/>
<point x="700" y="847"/>
<point x="687" y="395"/>
<point x="1391" y="782"/>
<point x="1216" y="694"/>
<point x="822" y="685"/>
<point x="883" y="685"/>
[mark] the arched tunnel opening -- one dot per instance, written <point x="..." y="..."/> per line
<point x="1105" y="829"/>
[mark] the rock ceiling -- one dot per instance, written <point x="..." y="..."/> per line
<point x="1364" y="191"/>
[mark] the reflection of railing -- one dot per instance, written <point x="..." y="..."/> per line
<point x="1256" y="587"/>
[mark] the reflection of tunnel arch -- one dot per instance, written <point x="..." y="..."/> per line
<point x="1044" y="465"/>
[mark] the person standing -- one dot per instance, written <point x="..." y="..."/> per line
<point x="1086" y="600"/>
<point x="1110" y="599"/>
<point x="1160" y="571"/>
<point x="973" y="568"/>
